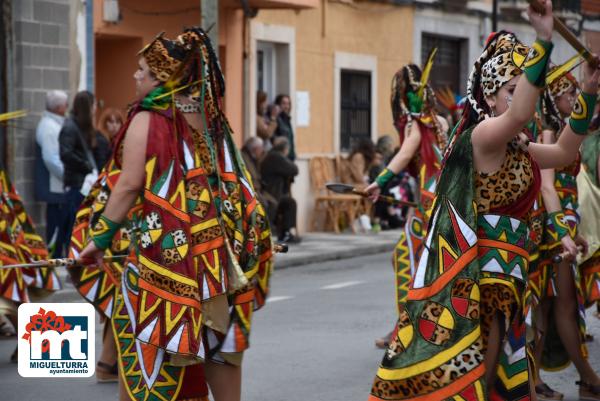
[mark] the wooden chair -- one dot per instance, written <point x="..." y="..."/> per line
<point x="332" y="205"/>
<point x="365" y="206"/>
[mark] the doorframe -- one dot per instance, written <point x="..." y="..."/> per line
<point x="281" y="34"/>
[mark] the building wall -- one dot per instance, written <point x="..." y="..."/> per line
<point x="41" y="63"/>
<point x="117" y="43"/>
<point x="381" y="32"/>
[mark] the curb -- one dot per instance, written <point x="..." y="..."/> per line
<point x="285" y="262"/>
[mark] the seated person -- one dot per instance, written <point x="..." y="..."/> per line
<point x="253" y="153"/>
<point x="278" y="173"/>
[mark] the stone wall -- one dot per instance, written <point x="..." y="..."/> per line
<point x="40" y="62"/>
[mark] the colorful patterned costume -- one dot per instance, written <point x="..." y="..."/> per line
<point x="474" y="263"/>
<point x="201" y="246"/>
<point x="543" y="275"/>
<point x="424" y="166"/>
<point x="589" y="201"/>
<point x="19" y="243"/>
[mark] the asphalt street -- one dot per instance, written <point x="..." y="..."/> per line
<point x="313" y="340"/>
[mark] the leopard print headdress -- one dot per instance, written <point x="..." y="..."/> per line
<point x="563" y="84"/>
<point x="502" y="59"/>
<point x="555" y="89"/>
<point x="163" y="56"/>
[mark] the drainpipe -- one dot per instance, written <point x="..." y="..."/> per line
<point x="210" y="19"/>
<point x="248" y="98"/>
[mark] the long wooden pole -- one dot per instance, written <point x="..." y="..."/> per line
<point x="70" y="262"/>
<point x="566" y="33"/>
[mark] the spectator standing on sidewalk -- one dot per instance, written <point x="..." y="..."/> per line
<point x="49" y="171"/>
<point x="77" y="140"/>
<point x="110" y="122"/>
<point x="284" y="123"/>
<point x="266" y="122"/>
<point x="278" y="173"/>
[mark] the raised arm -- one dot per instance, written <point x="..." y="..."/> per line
<point x="565" y="149"/>
<point x="491" y="136"/>
<point x="400" y="160"/>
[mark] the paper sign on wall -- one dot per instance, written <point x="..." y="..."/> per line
<point x="302" y="109"/>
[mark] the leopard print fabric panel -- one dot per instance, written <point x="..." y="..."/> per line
<point x="505" y="186"/>
<point x="496" y="299"/>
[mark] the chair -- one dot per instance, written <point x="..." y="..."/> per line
<point x="322" y="171"/>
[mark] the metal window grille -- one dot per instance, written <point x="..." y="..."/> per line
<point x="446" y="71"/>
<point x="355" y="119"/>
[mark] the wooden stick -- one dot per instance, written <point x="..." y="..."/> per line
<point x="561" y="256"/>
<point x="566" y="33"/>
<point x="388" y="199"/>
<point x="70" y="262"/>
<point x="66" y="262"/>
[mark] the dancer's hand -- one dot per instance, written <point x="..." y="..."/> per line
<point x="582" y="244"/>
<point x="591" y="76"/>
<point x="91" y="254"/>
<point x="374" y="191"/>
<point x="570" y="247"/>
<point x="542" y="23"/>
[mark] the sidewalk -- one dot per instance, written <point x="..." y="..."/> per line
<point x="322" y="247"/>
<point x="314" y="248"/>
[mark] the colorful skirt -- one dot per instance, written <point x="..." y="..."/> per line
<point x="544" y="274"/>
<point x="409" y="247"/>
<point x="590" y="279"/>
<point x="406" y="255"/>
<point x="20" y="243"/>
<point x="149" y="373"/>
<point x="437" y="350"/>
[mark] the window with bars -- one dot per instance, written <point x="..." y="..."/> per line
<point x="448" y="60"/>
<point x="355" y="116"/>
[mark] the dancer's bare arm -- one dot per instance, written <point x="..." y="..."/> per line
<point x="409" y="147"/>
<point x="565" y="149"/>
<point x="131" y="180"/>
<point x="490" y="137"/>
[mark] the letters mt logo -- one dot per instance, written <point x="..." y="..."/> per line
<point x="56" y="340"/>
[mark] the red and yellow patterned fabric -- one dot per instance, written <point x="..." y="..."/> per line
<point x="197" y="239"/>
<point x="407" y="109"/>
<point x="542" y="281"/>
<point x="19" y="243"/>
<point x="410" y="245"/>
<point x="474" y="266"/>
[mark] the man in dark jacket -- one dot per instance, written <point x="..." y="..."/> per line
<point x="284" y="123"/>
<point x="278" y="173"/>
